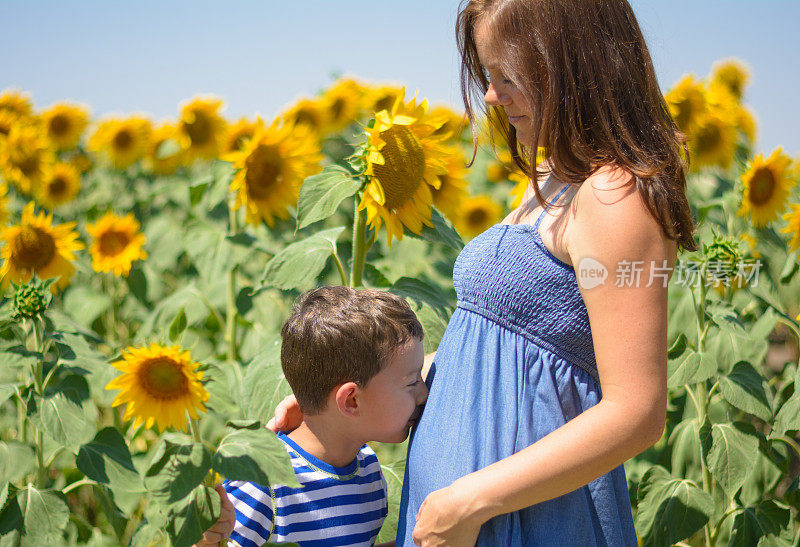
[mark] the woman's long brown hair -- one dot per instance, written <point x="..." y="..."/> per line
<point x="586" y="73"/>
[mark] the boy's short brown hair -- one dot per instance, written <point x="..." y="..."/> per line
<point x="338" y="334"/>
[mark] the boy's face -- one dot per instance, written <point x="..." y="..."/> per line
<point x="391" y="399"/>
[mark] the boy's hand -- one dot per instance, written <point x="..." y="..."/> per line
<point x="219" y="533"/>
<point x="287" y="416"/>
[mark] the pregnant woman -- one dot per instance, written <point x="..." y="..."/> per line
<point x="552" y="370"/>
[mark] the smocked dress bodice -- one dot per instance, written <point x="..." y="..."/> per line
<point x="507" y="274"/>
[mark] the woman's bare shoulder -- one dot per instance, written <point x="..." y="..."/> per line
<point x="610" y="217"/>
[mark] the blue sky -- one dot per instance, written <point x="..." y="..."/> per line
<point x="259" y="55"/>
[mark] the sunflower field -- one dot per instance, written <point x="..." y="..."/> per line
<point x="146" y="269"/>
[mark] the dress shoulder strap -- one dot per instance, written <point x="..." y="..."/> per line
<point x="551" y="202"/>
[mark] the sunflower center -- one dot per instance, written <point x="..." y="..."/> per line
<point x="163" y="378"/>
<point x="762" y="186"/>
<point x="200" y="130"/>
<point x="337" y="108"/>
<point x="57" y="186"/>
<point x="28" y="164"/>
<point x="113" y="242"/>
<point x="684" y="113"/>
<point x="708" y="138"/>
<point x="477" y="217"/>
<point x="241" y="139"/>
<point x="402" y="173"/>
<point x="123" y="140"/>
<point x="305" y="117"/>
<point x="264" y="171"/>
<point x="59" y="125"/>
<point x="33" y="248"/>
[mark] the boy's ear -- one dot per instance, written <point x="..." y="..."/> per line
<point x="347" y="399"/>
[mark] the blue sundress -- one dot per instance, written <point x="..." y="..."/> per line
<point x="515" y="363"/>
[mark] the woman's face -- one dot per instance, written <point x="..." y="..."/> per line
<point x="502" y="91"/>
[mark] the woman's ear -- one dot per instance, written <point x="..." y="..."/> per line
<point x="347" y="399"/>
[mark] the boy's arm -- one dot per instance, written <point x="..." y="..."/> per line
<point x="219" y="533"/>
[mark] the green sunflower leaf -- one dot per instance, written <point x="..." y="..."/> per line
<point x="107" y="460"/>
<point x="670" y="509"/>
<point x="255" y="455"/>
<point x="745" y="389"/>
<point x="321" y="194"/>
<point x="299" y="264"/>
<point x="732" y="456"/>
<point x="441" y="232"/>
<point x="766" y="524"/>
<point x="178" y="467"/>
<point x="189" y="517"/>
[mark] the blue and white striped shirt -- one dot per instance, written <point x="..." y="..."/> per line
<point x="336" y="506"/>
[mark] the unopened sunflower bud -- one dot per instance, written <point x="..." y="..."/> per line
<point x="723" y="260"/>
<point x="31" y="300"/>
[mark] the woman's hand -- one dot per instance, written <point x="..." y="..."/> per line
<point x="219" y="533"/>
<point x="447" y="517"/>
<point x="287" y="416"/>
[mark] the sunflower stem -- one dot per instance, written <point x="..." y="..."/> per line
<point x="359" y="245"/>
<point x="38" y="340"/>
<point x="702" y="395"/>
<point x="340" y="267"/>
<point x="22" y="434"/>
<point x="230" y="317"/>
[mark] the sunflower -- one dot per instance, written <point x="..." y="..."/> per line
<point x="167" y="150"/>
<point x="341" y="104"/>
<point x="159" y="385"/>
<point x="35" y="245"/>
<point x="123" y="140"/>
<point x="713" y="140"/>
<point x="687" y="103"/>
<point x="767" y="184"/>
<point x="501" y="166"/>
<point x="453" y="190"/>
<point x="793" y="218"/>
<point x="746" y="122"/>
<point x="271" y="168"/>
<point x="307" y="113"/>
<point x="731" y="74"/>
<point x="521" y="182"/>
<point x="24" y="157"/>
<point x="3" y="203"/>
<point x="59" y="185"/>
<point x="80" y="160"/>
<point x="16" y="102"/>
<point x="404" y="160"/>
<point x="239" y="133"/>
<point x="64" y="124"/>
<point x="752" y="243"/>
<point x="477" y="214"/>
<point x="382" y="97"/>
<point x="7" y="121"/>
<point x="451" y="124"/>
<point x="202" y="123"/>
<point x="117" y="243"/>
<point x="722" y="101"/>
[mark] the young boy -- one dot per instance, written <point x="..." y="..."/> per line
<point x="353" y="359"/>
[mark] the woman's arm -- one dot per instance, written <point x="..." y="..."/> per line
<point x="426" y="365"/>
<point x="629" y="329"/>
